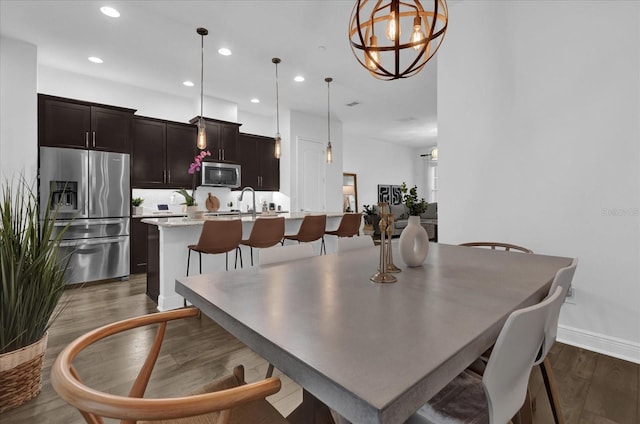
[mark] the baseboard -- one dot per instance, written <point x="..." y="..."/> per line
<point x="611" y="346"/>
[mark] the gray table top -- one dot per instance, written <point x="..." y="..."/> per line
<point x="374" y="352"/>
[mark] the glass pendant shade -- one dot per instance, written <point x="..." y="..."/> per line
<point x="329" y="153"/>
<point x="201" y="143"/>
<point x="398" y="53"/>
<point x="277" y="147"/>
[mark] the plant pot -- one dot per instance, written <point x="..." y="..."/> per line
<point x="194" y="213"/>
<point x="21" y="374"/>
<point x="414" y="243"/>
<point x="137" y="210"/>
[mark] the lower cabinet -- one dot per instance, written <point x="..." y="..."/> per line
<point x="138" y="246"/>
<point x="153" y="262"/>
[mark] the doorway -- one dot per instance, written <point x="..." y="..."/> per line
<point x="349" y="192"/>
<point x="311" y="186"/>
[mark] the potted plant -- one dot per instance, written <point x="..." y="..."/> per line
<point x="137" y="202"/>
<point x="414" y="241"/>
<point x="33" y="280"/>
<point x="369" y="219"/>
<point x="189" y="199"/>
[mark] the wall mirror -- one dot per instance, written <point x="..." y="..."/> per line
<point x="349" y="193"/>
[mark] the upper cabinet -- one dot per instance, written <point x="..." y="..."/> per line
<point x="260" y="168"/>
<point x="83" y="125"/>
<point x="161" y="153"/>
<point x="222" y="139"/>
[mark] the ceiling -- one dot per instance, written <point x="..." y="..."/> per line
<point x="154" y="44"/>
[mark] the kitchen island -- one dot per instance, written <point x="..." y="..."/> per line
<point x="167" y="251"/>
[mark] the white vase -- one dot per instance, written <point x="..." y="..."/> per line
<point x="414" y="243"/>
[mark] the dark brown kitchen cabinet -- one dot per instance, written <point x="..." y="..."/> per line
<point x="138" y="243"/>
<point x="161" y="153"/>
<point x="260" y="168"/>
<point x="83" y="125"/>
<point x="222" y="139"/>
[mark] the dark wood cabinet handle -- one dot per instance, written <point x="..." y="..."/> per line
<point x="94" y="139"/>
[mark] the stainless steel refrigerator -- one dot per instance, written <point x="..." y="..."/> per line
<point x="93" y="188"/>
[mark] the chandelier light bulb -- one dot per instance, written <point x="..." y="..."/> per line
<point x="373" y="58"/>
<point x="417" y="35"/>
<point x="393" y="30"/>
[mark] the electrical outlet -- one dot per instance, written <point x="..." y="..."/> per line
<point x="571" y="296"/>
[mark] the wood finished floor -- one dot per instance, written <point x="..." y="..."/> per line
<point x="594" y="388"/>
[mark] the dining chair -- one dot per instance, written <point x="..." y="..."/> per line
<point x="311" y="229"/>
<point x="353" y="243"/>
<point x="217" y="236"/>
<point x="349" y="226"/>
<point x="227" y="400"/>
<point x="500" y="246"/>
<point x="562" y="280"/>
<point x="497" y="395"/>
<point x="266" y="232"/>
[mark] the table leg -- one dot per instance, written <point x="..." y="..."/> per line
<point x="311" y="411"/>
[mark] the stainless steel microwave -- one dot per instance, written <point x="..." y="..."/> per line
<point x="220" y="174"/>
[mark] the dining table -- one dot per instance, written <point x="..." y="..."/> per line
<point x="372" y="352"/>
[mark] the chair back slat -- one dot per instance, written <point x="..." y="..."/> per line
<point x="502" y="246"/>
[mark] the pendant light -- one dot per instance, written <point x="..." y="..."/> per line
<point x="201" y="141"/>
<point x="397" y="55"/>
<point x="276" y="60"/>
<point x="329" y="151"/>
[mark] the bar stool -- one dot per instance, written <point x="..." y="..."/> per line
<point x="311" y="229"/>
<point x="266" y="232"/>
<point x="218" y="236"/>
<point x="349" y="227"/>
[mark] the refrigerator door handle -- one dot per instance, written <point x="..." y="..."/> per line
<point x="87" y="242"/>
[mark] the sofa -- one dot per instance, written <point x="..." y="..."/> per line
<point x="401" y="219"/>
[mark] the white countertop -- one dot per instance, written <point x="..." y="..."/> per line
<point x="183" y="221"/>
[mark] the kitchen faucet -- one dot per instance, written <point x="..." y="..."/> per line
<point x="253" y="192"/>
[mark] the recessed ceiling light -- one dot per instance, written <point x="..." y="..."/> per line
<point x="224" y="51"/>
<point x="95" y="59"/>
<point x="254" y="100"/>
<point x="110" y="12"/>
<point x="188" y="83"/>
<point x="299" y="78"/>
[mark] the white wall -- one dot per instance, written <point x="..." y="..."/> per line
<point x="314" y="128"/>
<point x="538" y="137"/>
<point x="378" y="162"/>
<point x="18" y="110"/>
<point x="155" y="104"/>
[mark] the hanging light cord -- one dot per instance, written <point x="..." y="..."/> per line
<point x="328" y="80"/>
<point x="277" y="100"/>
<point x="201" y="74"/>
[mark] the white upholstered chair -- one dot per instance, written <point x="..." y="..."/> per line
<point x="354" y="243"/>
<point x="291" y="252"/>
<point x="499" y="394"/>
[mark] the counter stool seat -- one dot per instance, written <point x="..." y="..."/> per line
<point x="266" y="232"/>
<point x="311" y="229"/>
<point x="217" y="236"/>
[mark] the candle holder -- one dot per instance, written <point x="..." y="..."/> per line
<point x="390" y="265"/>
<point x="383" y="276"/>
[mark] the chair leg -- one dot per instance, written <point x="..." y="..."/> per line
<point x="323" y="247"/>
<point x="235" y="265"/>
<point x="188" y="260"/>
<point x="200" y="256"/>
<point x="226" y="261"/>
<point x="251" y="247"/>
<point x="552" y="390"/>
<point x="269" y="371"/>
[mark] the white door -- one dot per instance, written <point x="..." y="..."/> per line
<point x="311" y="175"/>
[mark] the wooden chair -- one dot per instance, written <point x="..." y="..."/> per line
<point x="501" y="392"/>
<point x="217" y="236"/>
<point x="225" y="401"/>
<point x="354" y="243"/>
<point x="501" y="246"/>
<point x="266" y="232"/>
<point x="311" y="229"/>
<point x="349" y="226"/>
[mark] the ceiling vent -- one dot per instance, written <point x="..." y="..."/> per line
<point x="353" y="104"/>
